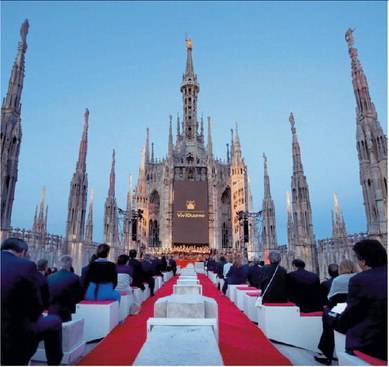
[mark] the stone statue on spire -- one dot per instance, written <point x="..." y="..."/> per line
<point x="24" y="30"/>
<point x="349" y="37"/>
<point x="291" y="120"/>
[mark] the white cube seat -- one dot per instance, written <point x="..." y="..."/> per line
<point x="188" y="289"/>
<point x="158" y="282"/>
<point x="126" y="299"/>
<point x="146" y="292"/>
<point x="100" y="317"/>
<point x="359" y="359"/>
<point x="240" y="293"/>
<point x="231" y="291"/>
<point x="283" y="322"/>
<point x="249" y="305"/>
<point x="167" y="275"/>
<point x="138" y="295"/>
<point x="73" y="344"/>
<point x="213" y="277"/>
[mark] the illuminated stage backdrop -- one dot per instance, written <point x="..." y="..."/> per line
<point x="190" y="213"/>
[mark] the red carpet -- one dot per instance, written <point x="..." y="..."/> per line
<point x="123" y="344"/>
<point x="240" y="341"/>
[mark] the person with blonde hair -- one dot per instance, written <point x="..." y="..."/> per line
<point x="236" y="274"/>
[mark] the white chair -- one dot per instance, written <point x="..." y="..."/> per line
<point x="138" y="295"/>
<point x="344" y="358"/>
<point x="73" y="343"/>
<point x="231" y="294"/>
<point x="158" y="282"/>
<point x="100" y="317"/>
<point x="240" y="293"/>
<point x="284" y="323"/>
<point x="249" y="305"/>
<point x="146" y="292"/>
<point x="125" y="303"/>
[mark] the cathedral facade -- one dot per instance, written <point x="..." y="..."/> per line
<point x="190" y="191"/>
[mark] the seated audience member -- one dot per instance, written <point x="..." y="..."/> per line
<point x="173" y="265"/>
<point x="148" y="273"/>
<point x="253" y="273"/>
<point x="42" y="267"/>
<point x="84" y="270"/>
<point x="211" y="264"/>
<point x="163" y="264"/>
<point x="22" y="323"/>
<point x="124" y="274"/>
<point x="65" y="290"/>
<point x="137" y="272"/>
<point x="101" y="277"/>
<point x="326" y="284"/>
<point x="227" y="266"/>
<point x="272" y="280"/>
<point x="337" y="294"/>
<point x="365" y="319"/>
<point x="220" y="266"/>
<point x="303" y="288"/>
<point x="236" y="274"/>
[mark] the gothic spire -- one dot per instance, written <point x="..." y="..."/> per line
<point x="12" y="102"/>
<point x="147" y="146"/>
<point x="232" y="144"/>
<point x="228" y="152"/>
<point x="11" y="132"/>
<point x="81" y="162"/>
<point x="111" y="191"/>
<point x="89" y="222"/>
<point x="372" y="150"/>
<point x="297" y="164"/>
<point x="152" y="152"/>
<point x="302" y="212"/>
<point x="269" y="234"/>
<point x="178" y="126"/>
<point x="170" y="142"/>
<point x="266" y="180"/>
<point x="361" y="87"/>
<point x="338" y="224"/>
<point x="236" y="149"/>
<point x="202" y="125"/>
<point x="189" y="89"/>
<point x="290" y="228"/>
<point x="75" y="223"/>
<point x="210" y="149"/>
<point x="40" y="219"/>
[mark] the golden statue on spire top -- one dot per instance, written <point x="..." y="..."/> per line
<point x="188" y="43"/>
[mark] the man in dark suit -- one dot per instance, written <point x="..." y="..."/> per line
<point x="65" y="290"/>
<point x="22" y="324"/>
<point x="304" y="288"/>
<point x="365" y="319"/>
<point x="272" y="280"/>
<point x="137" y="278"/>
<point x="43" y="267"/>
<point x="149" y="271"/>
<point x="173" y="265"/>
<point x="253" y="273"/>
<point x="325" y="286"/>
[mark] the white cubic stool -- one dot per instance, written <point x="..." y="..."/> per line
<point x="146" y="292"/>
<point x="158" y="282"/>
<point x="100" y="317"/>
<point x="231" y="291"/>
<point x="240" y="293"/>
<point x="138" y="295"/>
<point x="73" y="344"/>
<point x="213" y="277"/>
<point x="249" y="305"/>
<point x="125" y="303"/>
<point x="167" y="275"/>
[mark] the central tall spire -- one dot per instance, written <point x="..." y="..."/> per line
<point x="189" y="89"/>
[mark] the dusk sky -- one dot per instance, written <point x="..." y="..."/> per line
<point x="255" y="61"/>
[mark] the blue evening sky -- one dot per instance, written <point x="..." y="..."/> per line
<point x="256" y="62"/>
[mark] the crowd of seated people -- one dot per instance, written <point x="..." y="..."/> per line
<point x="36" y="301"/>
<point x="364" y="321"/>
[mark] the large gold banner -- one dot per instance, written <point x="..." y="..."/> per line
<point x="190" y="213"/>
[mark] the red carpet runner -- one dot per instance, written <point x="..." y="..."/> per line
<point x="241" y="342"/>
